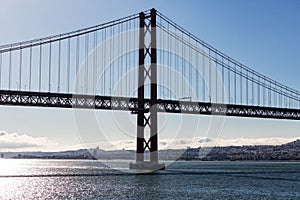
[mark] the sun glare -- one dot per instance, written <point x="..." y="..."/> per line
<point x="12" y="167"/>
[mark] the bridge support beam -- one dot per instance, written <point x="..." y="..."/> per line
<point x="141" y="93"/>
<point x="144" y="119"/>
<point x="153" y="95"/>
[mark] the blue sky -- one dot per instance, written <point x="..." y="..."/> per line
<point x="263" y="35"/>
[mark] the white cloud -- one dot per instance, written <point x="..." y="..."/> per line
<point x="183" y="143"/>
<point x="22" y="142"/>
<point x="255" y="141"/>
<point x="209" y="142"/>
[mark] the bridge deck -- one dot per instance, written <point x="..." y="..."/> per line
<point x="61" y="100"/>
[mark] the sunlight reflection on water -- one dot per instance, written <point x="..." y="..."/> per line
<point x="86" y="179"/>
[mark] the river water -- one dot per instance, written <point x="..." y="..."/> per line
<point x="87" y="179"/>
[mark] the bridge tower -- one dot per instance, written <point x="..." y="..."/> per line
<point x="147" y="118"/>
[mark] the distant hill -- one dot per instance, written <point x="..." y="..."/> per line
<point x="285" y="152"/>
<point x="288" y="151"/>
<point x="294" y="143"/>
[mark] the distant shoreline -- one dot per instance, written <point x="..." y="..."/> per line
<point x="204" y="161"/>
<point x="289" y="152"/>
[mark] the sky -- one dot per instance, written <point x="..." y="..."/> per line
<point x="263" y="35"/>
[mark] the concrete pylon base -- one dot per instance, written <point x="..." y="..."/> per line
<point x="147" y="165"/>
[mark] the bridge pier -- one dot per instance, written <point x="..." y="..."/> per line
<point x="144" y="120"/>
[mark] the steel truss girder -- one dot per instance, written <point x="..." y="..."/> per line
<point x="61" y="100"/>
<point x="227" y="110"/>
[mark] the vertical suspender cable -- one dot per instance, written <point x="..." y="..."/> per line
<point x="270" y="95"/>
<point x="95" y="63"/>
<point x="204" y="76"/>
<point x="68" y="65"/>
<point x="77" y="64"/>
<point x="264" y="88"/>
<point x="126" y="61"/>
<point x="176" y="65"/>
<point x="292" y="100"/>
<point x="20" y="70"/>
<point x="287" y="98"/>
<point x="229" y="100"/>
<point x="223" y="81"/>
<point x="164" y="63"/>
<point x="284" y="98"/>
<point x="9" y="73"/>
<point x="209" y="74"/>
<point x="134" y="59"/>
<point x="132" y="53"/>
<point x="138" y="46"/>
<point x="235" y="84"/>
<point x="129" y="60"/>
<point x="183" y="69"/>
<point x="136" y="55"/>
<point x="170" y="64"/>
<point x="241" y="86"/>
<point x="216" y="76"/>
<point x="160" y="61"/>
<point x="190" y="67"/>
<point x="197" y="74"/>
<point x="118" y="58"/>
<point x="59" y="66"/>
<point x="0" y="69"/>
<point x="40" y="69"/>
<point x="30" y="67"/>
<point x="252" y="90"/>
<point x="274" y="96"/>
<point x="167" y="63"/>
<point x="258" y="92"/>
<point x="121" y="61"/>
<point x="49" y="67"/>
<point x="104" y="61"/>
<point x="247" y="89"/>
<point x="280" y="97"/>
<point x="110" y="63"/>
<point x="86" y="64"/>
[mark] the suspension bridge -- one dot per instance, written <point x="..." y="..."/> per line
<point x="144" y="63"/>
